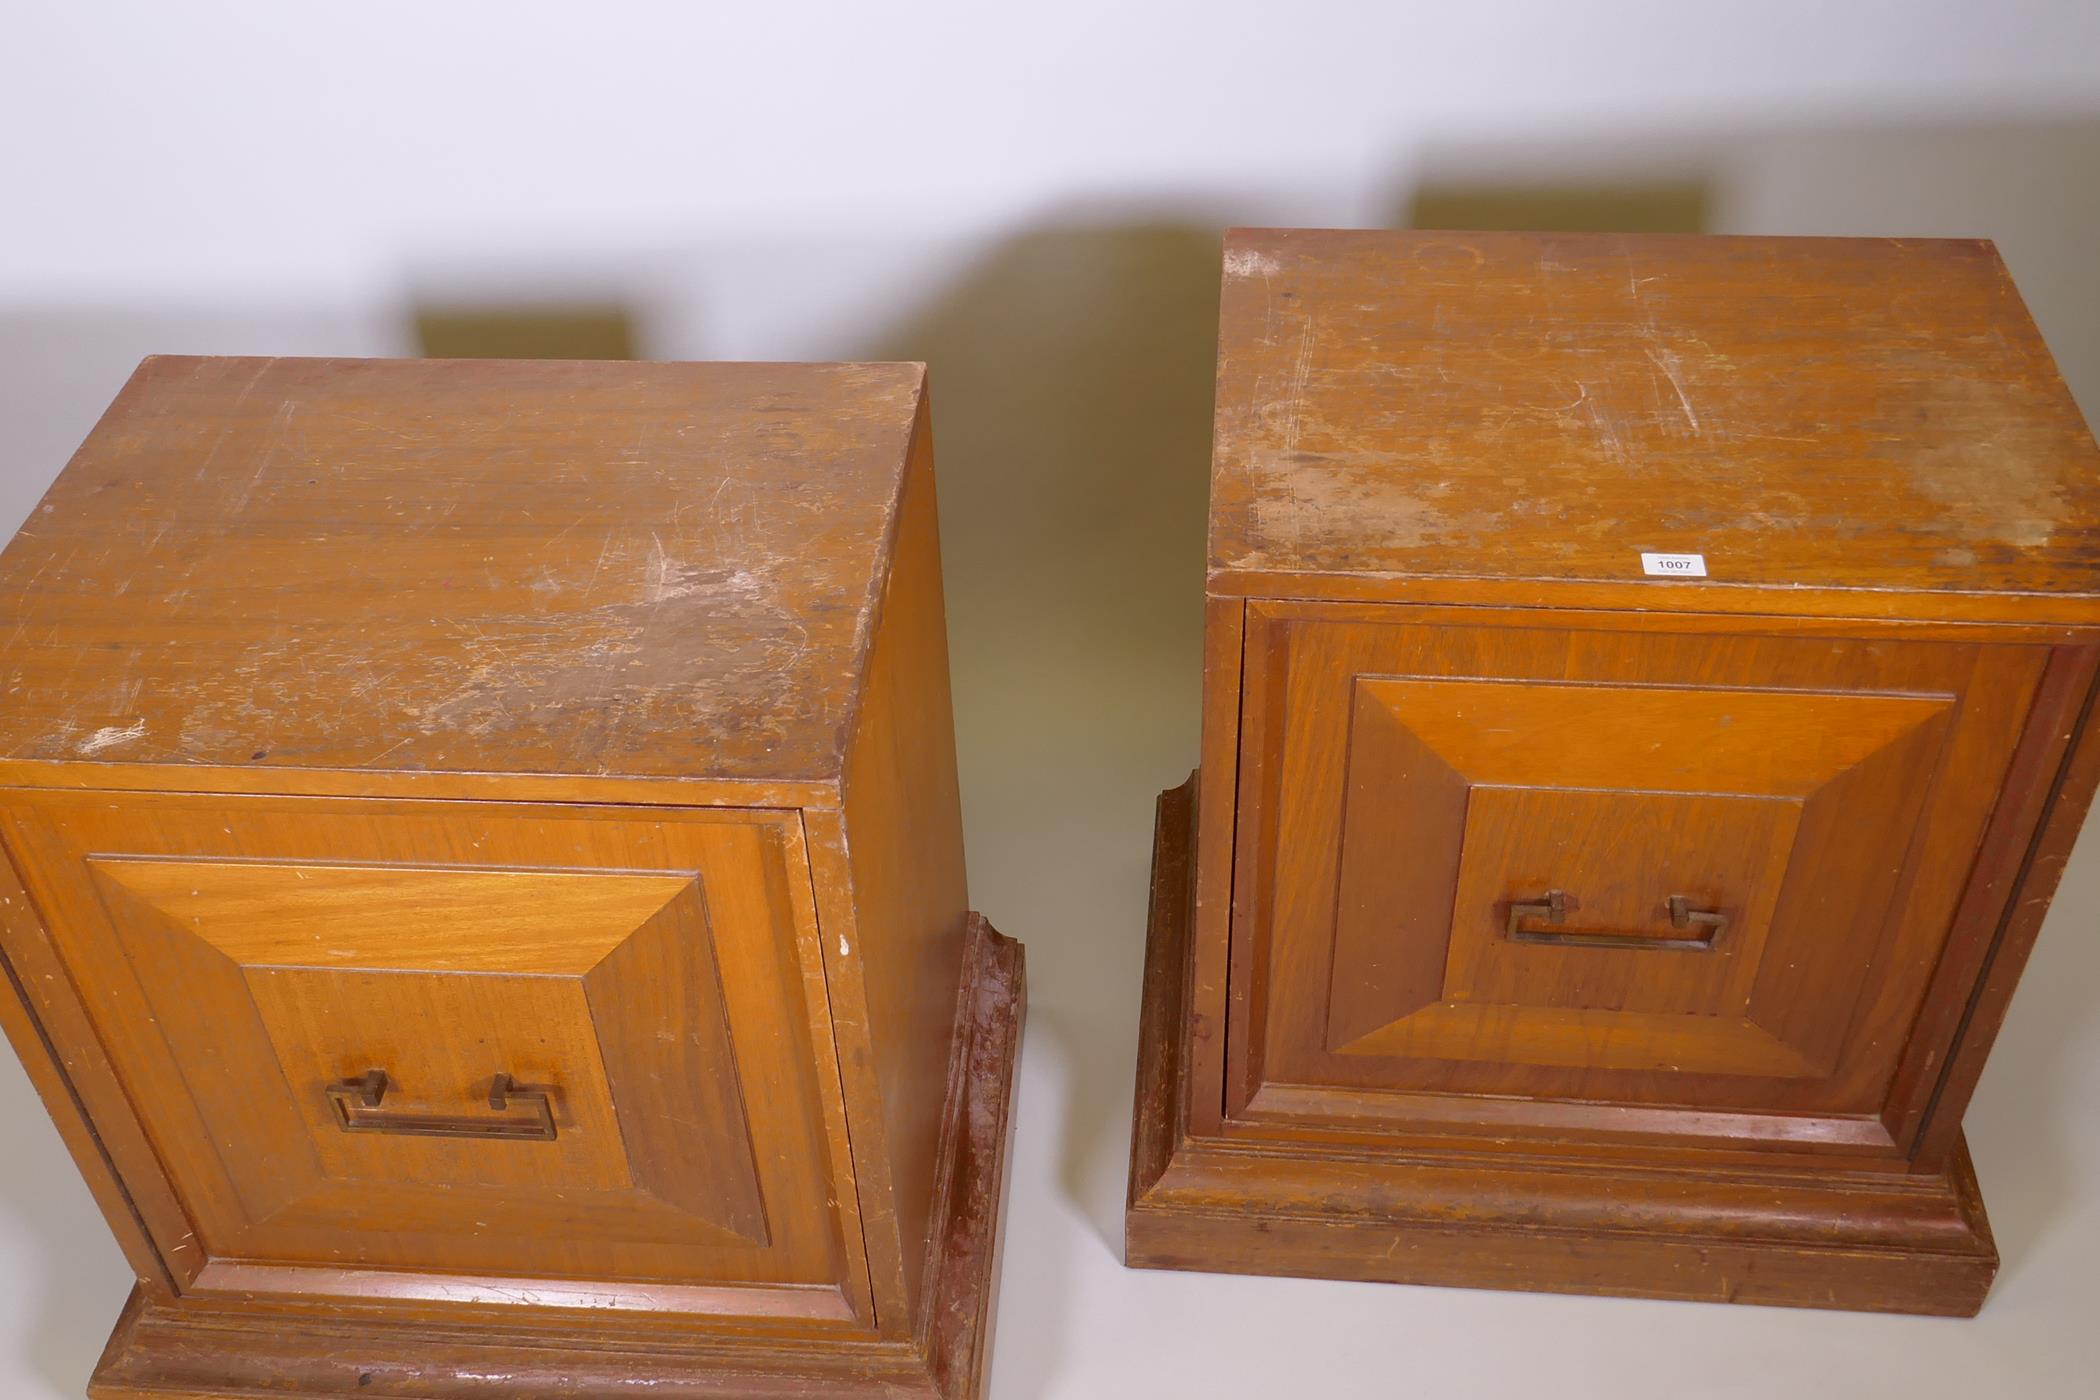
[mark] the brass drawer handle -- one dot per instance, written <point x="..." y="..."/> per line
<point x="1553" y="909"/>
<point x="1682" y="915"/>
<point x="357" y="1110"/>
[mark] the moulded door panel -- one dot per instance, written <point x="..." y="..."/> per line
<point x="470" y="1039"/>
<point x="1640" y="868"/>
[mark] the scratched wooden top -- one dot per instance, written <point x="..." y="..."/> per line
<point x="537" y="567"/>
<point x="1848" y="414"/>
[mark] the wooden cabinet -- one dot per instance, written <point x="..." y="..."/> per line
<point x="485" y="893"/>
<point x="1647" y="710"/>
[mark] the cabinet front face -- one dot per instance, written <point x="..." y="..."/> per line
<point x="453" y="1051"/>
<point x="1578" y="874"/>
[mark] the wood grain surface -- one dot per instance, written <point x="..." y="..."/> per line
<point x="1808" y="413"/>
<point x="460" y="566"/>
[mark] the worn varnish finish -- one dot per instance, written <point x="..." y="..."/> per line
<point x="573" y="735"/>
<point x="1537" y="923"/>
<point x="1463" y="416"/>
<point x="510" y="567"/>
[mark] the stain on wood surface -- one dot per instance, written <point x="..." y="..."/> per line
<point x="1807" y="412"/>
<point x="464" y="566"/>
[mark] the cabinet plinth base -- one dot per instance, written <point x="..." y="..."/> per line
<point x="193" y="1351"/>
<point x="1911" y="1243"/>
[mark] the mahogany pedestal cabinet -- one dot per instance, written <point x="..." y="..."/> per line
<point x="484" y="895"/>
<point x="1647" y="709"/>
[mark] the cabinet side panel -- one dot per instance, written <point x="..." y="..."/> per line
<point x="2040" y="868"/>
<point x="903" y="819"/>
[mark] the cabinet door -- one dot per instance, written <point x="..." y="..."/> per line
<point x="1585" y="874"/>
<point x="566" y="1056"/>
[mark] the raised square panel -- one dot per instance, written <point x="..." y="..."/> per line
<point x="639" y="972"/>
<point x="444" y="979"/>
<point x="1616" y="860"/>
<point x="1618" y="798"/>
<point x="1603" y="867"/>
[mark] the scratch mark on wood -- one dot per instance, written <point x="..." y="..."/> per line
<point x="1666" y="361"/>
<point x="110" y="736"/>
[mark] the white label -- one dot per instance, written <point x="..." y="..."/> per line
<point x="1674" y="565"/>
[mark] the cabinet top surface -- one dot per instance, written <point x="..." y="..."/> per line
<point x="1804" y="413"/>
<point x="465" y="566"/>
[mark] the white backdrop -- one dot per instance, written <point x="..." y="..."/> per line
<point x="1028" y="197"/>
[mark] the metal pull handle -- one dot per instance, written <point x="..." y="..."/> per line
<point x="358" y="1109"/>
<point x="1553" y="909"/>
<point x="1682" y="915"/>
<point x="1550" y="910"/>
